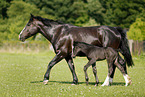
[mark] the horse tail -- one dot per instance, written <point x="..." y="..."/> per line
<point x="124" y="47"/>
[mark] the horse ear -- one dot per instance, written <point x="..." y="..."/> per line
<point x="31" y="15"/>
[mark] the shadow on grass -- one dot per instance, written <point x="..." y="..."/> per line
<point x="90" y="83"/>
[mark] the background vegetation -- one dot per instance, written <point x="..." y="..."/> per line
<point x="14" y="14"/>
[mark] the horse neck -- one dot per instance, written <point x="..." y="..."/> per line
<point x="83" y="48"/>
<point x="49" y="32"/>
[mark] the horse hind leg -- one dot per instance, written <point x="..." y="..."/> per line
<point x="122" y="68"/>
<point x="127" y="80"/>
<point x="72" y="68"/>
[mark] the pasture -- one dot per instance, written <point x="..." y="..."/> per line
<point x="21" y="75"/>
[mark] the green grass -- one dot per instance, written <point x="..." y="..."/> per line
<point x="21" y="75"/>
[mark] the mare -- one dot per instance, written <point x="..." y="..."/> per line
<point x="95" y="53"/>
<point x="62" y="36"/>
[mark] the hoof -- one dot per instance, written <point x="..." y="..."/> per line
<point x="105" y="85"/>
<point x="45" y="82"/>
<point x="87" y="83"/>
<point x="129" y="83"/>
<point x="74" y="83"/>
<point x="106" y="82"/>
<point x="96" y="85"/>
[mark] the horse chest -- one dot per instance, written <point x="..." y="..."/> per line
<point x="63" y="43"/>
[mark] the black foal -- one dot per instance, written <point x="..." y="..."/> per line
<point x="95" y="53"/>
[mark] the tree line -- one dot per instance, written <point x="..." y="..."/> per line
<point x="14" y="14"/>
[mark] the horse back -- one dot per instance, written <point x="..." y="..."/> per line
<point x="85" y="34"/>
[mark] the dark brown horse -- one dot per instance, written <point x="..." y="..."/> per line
<point x="63" y="35"/>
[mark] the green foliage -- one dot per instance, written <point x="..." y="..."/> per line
<point x="95" y="10"/>
<point x="3" y="7"/>
<point x="122" y="12"/>
<point x="14" y="14"/>
<point x="137" y="30"/>
<point x="19" y="14"/>
<point x="91" y="22"/>
<point x="68" y="11"/>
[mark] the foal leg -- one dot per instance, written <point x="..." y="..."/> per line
<point x="111" y="74"/>
<point x="108" y="81"/>
<point x="55" y="60"/>
<point x="122" y="68"/>
<point x="95" y="73"/>
<point x="86" y="67"/>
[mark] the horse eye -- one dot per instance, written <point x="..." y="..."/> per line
<point x="28" y="24"/>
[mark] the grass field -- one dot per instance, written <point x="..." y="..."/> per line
<point x="21" y="75"/>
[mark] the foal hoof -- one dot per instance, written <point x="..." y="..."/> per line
<point x="45" y="82"/>
<point x="87" y="83"/>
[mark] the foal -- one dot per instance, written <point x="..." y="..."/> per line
<point x="95" y="53"/>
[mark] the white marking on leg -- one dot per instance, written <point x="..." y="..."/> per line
<point x="45" y="82"/>
<point x="106" y="82"/>
<point x="127" y="80"/>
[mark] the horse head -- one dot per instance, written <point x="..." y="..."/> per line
<point x="31" y="28"/>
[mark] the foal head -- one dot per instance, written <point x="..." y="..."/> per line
<point x="78" y="49"/>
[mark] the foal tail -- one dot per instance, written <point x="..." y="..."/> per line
<point x="125" y="47"/>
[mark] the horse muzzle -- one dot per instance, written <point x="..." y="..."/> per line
<point x="21" y="38"/>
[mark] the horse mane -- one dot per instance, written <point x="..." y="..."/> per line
<point x="48" y="21"/>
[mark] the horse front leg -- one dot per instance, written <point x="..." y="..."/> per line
<point x="72" y="69"/>
<point x="55" y="60"/>
<point x="95" y="73"/>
